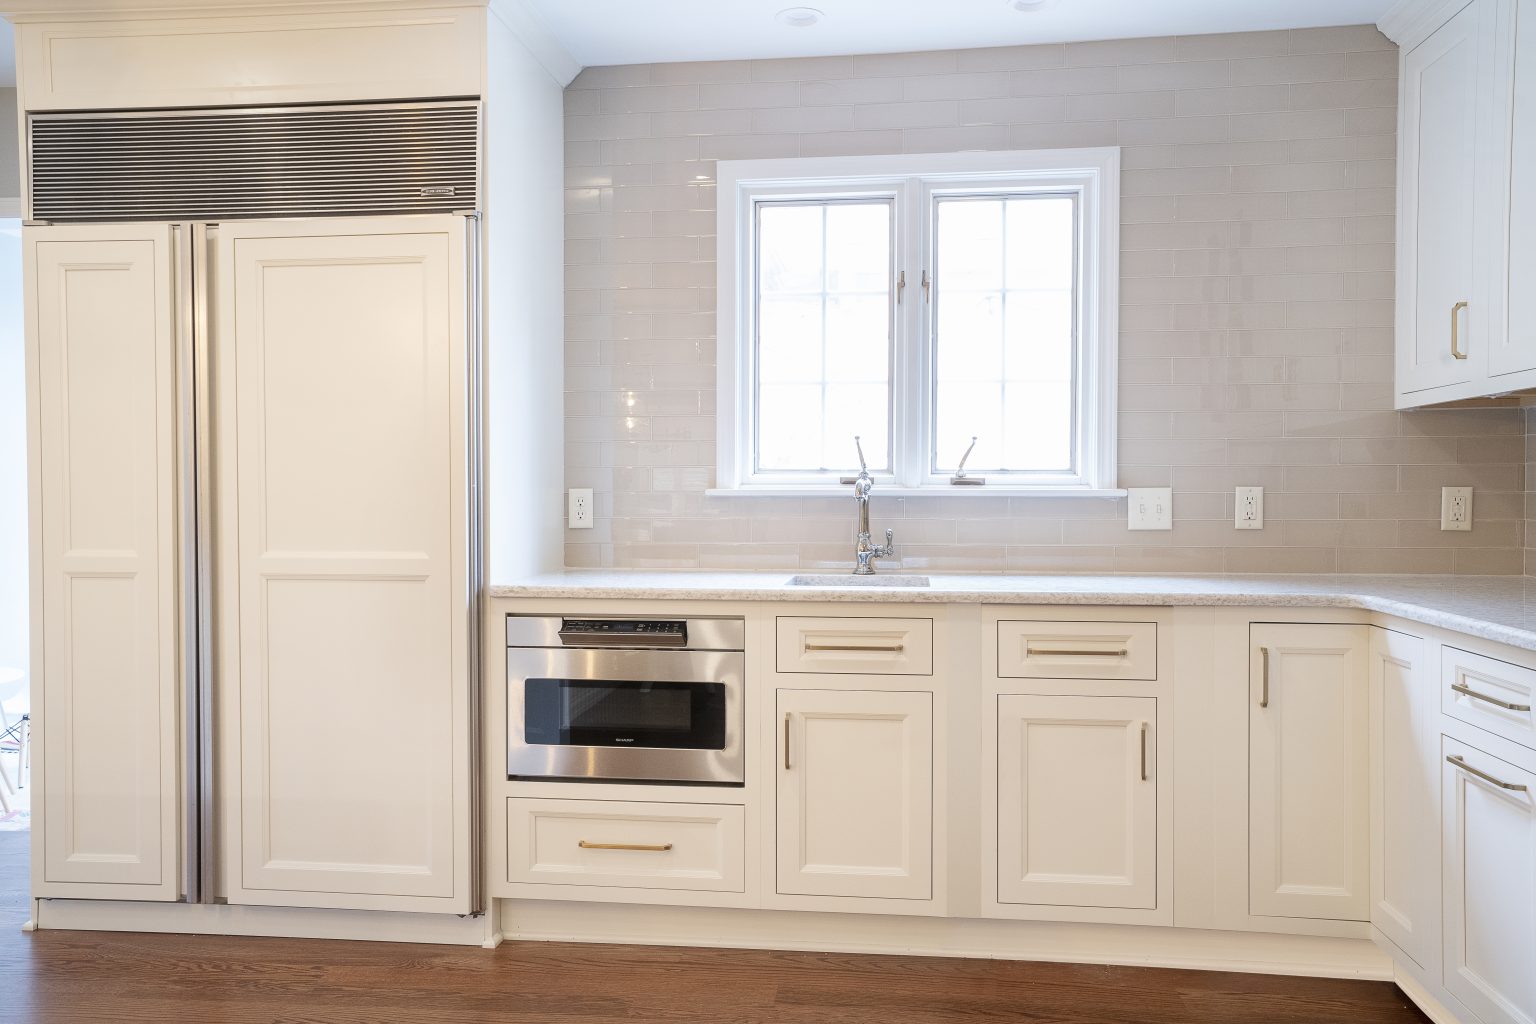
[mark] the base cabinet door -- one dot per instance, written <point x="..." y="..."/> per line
<point x="1077" y="801"/>
<point x="855" y="794"/>
<point x="1489" y="895"/>
<point x="1405" y="794"/>
<point x="1308" y="787"/>
<point x="342" y="563"/>
<point x="102" y="362"/>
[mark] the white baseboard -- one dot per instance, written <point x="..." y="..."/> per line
<point x="1128" y="945"/>
<point x="1433" y="1008"/>
<point x="289" y="922"/>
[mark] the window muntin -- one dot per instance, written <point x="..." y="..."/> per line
<point x="1004" y="328"/>
<point x="822" y="338"/>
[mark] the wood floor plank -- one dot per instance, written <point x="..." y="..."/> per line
<point x="106" y="978"/>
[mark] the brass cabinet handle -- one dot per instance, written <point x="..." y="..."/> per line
<point x="1455" y="331"/>
<point x="640" y="847"/>
<point x="1456" y="760"/>
<point x="1144" y="773"/>
<point x="1506" y="705"/>
<point x="1264" y="678"/>
<point x="1065" y="652"/>
<point x="786" y="741"/>
<point x="892" y="649"/>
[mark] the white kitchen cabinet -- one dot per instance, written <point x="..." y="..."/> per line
<point x="855" y="793"/>
<point x="1077" y="801"/>
<point x="1441" y="329"/>
<point x="1308" y="817"/>
<point x="1405" y="807"/>
<point x="1489" y="894"/>
<point x="102" y="362"/>
<point x="341" y="437"/>
<point x="1513" y="347"/>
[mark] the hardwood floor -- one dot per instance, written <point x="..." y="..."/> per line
<point x="86" y="978"/>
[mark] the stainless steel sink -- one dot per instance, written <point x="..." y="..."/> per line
<point x="847" y="579"/>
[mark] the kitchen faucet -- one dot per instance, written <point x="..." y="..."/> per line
<point x="866" y="552"/>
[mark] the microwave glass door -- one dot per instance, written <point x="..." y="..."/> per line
<point x="615" y="713"/>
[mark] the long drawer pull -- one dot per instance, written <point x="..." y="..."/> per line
<point x="786" y="741"/>
<point x="863" y="649"/>
<point x="1264" y="682"/>
<point x="1456" y="760"/>
<point x="1068" y="652"/>
<point x="639" y="847"/>
<point x="1506" y="705"/>
<point x="1144" y="751"/>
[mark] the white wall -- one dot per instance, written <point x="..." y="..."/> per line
<point x="13" y="444"/>
<point x="524" y="309"/>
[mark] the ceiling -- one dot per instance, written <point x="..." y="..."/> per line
<point x="625" y="32"/>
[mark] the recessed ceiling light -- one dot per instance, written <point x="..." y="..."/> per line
<point x="1029" y="5"/>
<point x="799" y="17"/>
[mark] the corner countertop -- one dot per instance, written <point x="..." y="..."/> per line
<point x="1498" y="608"/>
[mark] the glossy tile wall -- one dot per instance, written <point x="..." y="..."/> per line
<point x="1256" y="319"/>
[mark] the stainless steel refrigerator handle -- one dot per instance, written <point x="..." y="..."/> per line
<point x="202" y="411"/>
<point x="182" y="290"/>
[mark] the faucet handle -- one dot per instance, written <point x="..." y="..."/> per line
<point x="890" y="544"/>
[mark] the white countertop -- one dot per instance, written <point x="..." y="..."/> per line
<point x="1500" y="608"/>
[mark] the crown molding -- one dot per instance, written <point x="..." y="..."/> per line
<point x="1409" y="22"/>
<point x="526" y="24"/>
<point x="79" y="10"/>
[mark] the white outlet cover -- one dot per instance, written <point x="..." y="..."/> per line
<point x="1248" y="513"/>
<point x="1149" y="508"/>
<point x="578" y="508"/>
<point x="1456" y="508"/>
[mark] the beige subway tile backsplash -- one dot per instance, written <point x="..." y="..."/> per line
<point x="1257" y="226"/>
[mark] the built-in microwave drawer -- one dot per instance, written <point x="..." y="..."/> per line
<point x="627" y="844"/>
<point x="1076" y="650"/>
<point x="856" y="646"/>
<point x="1490" y="694"/>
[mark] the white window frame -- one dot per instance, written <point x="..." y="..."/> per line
<point x="1092" y="175"/>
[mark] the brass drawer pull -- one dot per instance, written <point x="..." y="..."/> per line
<point x="1264" y="686"/>
<point x="1506" y="705"/>
<point x="786" y="741"/>
<point x="1068" y="652"/>
<point x="1144" y="727"/>
<point x="1456" y="760"/>
<point x="892" y="649"/>
<point x="640" y="847"/>
<point x="1456" y="351"/>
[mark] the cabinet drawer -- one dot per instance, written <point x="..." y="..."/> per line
<point x="856" y="646"/>
<point x="1076" y="650"/>
<point x="620" y="843"/>
<point x="1489" y="694"/>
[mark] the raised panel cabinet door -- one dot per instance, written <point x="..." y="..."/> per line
<point x="855" y="794"/>
<point x="1405" y="807"/>
<point x="102" y="366"/>
<point x="1489" y="897"/>
<point x="1308" y="786"/>
<point x="1438" y="183"/>
<point x="343" y="626"/>
<point x="1077" y="801"/>
<point x="1516" y="349"/>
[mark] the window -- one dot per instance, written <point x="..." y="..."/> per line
<point x="939" y="308"/>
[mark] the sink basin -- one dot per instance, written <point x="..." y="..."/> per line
<point x="848" y="579"/>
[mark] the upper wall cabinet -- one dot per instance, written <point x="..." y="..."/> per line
<point x="251" y="60"/>
<point x="1466" y="200"/>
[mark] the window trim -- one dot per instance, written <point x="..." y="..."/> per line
<point x="1093" y="173"/>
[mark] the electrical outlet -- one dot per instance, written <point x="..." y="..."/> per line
<point x="1149" y="508"/>
<point x="1455" y="508"/>
<point x="1250" y="509"/>
<point x="578" y="508"/>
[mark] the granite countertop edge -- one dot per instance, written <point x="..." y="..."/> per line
<point x="1497" y="608"/>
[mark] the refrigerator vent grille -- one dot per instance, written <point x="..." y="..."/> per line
<point x="276" y="162"/>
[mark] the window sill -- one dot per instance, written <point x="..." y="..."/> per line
<point x="891" y="491"/>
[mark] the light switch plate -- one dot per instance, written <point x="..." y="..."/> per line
<point x="1249" y="514"/>
<point x="1455" y="508"/>
<point x="578" y="508"/>
<point x="1149" y="508"/>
